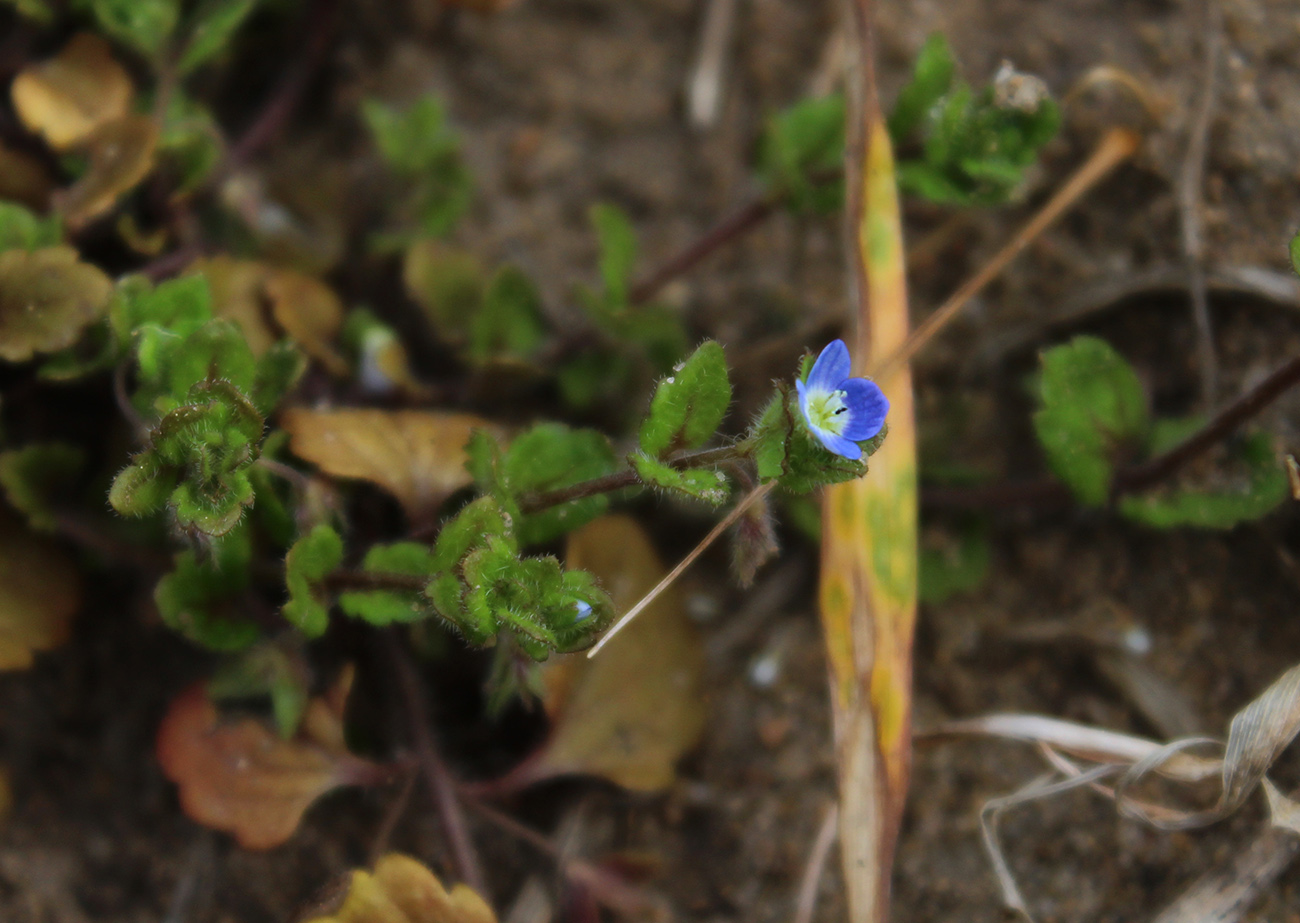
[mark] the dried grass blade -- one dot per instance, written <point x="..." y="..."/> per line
<point x="1095" y="744"/>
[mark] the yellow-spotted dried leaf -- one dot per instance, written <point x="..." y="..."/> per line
<point x="630" y="713"/>
<point x="40" y="590"/>
<point x="241" y="777"/>
<point x="47" y="298"/>
<point x="868" y="586"/>
<point x="417" y="456"/>
<point x="311" y="314"/>
<point x="121" y="155"/>
<point x="401" y="890"/>
<point x="69" y="97"/>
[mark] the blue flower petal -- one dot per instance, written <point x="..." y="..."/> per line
<point x="846" y="448"/>
<point x="867" y="407"/>
<point x="803" y="399"/>
<point x="831" y="367"/>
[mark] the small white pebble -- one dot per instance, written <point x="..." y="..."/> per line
<point x="764" y="671"/>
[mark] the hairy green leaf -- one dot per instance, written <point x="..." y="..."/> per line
<point x="1091" y="405"/>
<point x="311" y="559"/>
<point x="688" y="406"/>
<point x="386" y="607"/>
<point x="551" y="456"/>
<point x="802" y="152"/>
<point x="697" y="483"/>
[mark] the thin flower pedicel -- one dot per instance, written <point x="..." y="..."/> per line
<point x="841" y="411"/>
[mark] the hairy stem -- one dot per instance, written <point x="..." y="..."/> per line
<point x="619" y="480"/>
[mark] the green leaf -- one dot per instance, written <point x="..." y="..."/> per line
<point x="38" y="11"/>
<point x="469" y="529"/>
<point x="618" y="252"/>
<point x="959" y="567"/>
<point x="387" y="607"/>
<point x="189" y="142"/>
<point x="550" y="456"/>
<point x="36" y="480"/>
<point x="143" y="487"/>
<point x="1090" y="406"/>
<point x="278" y="370"/>
<point x="311" y="559"/>
<point x="1255" y="489"/>
<point x="688" y="406"/>
<point x="203" y="600"/>
<point x="1294" y="250"/>
<point x="448" y="283"/>
<point x="266" y="670"/>
<point x="592" y="376"/>
<point x="785" y="451"/>
<point x="802" y="152"/>
<point x="145" y="25"/>
<point x="697" y="483"/>
<point x="197" y="460"/>
<point x="23" y="229"/>
<point x="211" y="27"/>
<point x="509" y="323"/>
<point x="932" y="76"/>
<point x="418" y="144"/>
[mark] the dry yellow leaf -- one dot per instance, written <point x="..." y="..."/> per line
<point x="47" y="297"/>
<point x="24" y="179"/>
<point x="310" y="313"/>
<point x="631" y="712"/>
<point x="417" y="456"/>
<point x="236" y="287"/>
<point x="121" y="155"/>
<point x="40" y="590"/>
<point x="269" y="302"/>
<point x="401" y="890"/>
<point x="69" y="97"/>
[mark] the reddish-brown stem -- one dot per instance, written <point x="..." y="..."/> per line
<point x="1148" y="474"/>
<point x="623" y="479"/>
<point x="442" y="786"/>
<point x="321" y="20"/>
<point x="734" y="226"/>
<point x="1052" y="494"/>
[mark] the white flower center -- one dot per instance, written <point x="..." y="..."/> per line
<point x="827" y="411"/>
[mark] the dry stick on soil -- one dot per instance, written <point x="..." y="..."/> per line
<point x="1116" y="146"/>
<point x="442" y="787"/>
<point x="745" y="219"/>
<point x="1190" y="181"/>
<point x="704" y="89"/>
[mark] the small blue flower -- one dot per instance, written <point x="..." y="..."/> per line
<point x="583" y="610"/>
<point x="841" y="411"/>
